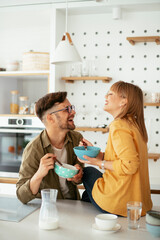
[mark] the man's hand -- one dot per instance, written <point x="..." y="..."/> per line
<point x="77" y="178"/>
<point x="46" y="163"/>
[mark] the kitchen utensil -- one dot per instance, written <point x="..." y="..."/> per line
<point x="84" y="144"/>
<point x="59" y="162"/>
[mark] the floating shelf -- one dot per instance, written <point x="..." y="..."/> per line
<point x="18" y="115"/>
<point x="90" y="129"/>
<point x="22" y="73"/>
<point x="8" y="180"/>
<point x="72" y="79"/>
<point x="151" y="104"/>
<point x="133" y="40"/>
<point x="154" y="156"/>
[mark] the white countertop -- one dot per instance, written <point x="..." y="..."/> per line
<point x="76" y="219"/>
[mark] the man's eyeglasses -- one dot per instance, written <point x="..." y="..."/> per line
<point x="68" y="108"/>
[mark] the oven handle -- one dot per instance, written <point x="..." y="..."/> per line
<point x="19" y="131"/>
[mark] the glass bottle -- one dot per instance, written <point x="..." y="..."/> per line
<point x="48" y="217"/>
<point x="14" y="107"/>
<point x="23" y="105"/>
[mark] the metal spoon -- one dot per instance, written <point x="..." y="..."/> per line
<point x="59" y="162"/>
<point x="84" y="144"/>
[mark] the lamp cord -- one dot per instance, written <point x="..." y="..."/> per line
<point x="66" y="14"/>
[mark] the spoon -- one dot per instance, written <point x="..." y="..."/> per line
<point x="84" y="144"/>
<point x="59" y="162"/>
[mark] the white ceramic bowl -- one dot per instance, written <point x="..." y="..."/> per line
<point x="106" y="221"/>
<point x="153" y="217"/>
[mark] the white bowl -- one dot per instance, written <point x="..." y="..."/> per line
<point x="106" y="221"/>
<point x="153" y="217"/>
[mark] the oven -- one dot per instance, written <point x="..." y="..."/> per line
<point x="15" y="134"/>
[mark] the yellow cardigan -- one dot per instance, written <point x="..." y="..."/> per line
<point x="129" y="181"/>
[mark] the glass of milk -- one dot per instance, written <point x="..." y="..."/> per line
<point x="48" y="217"/>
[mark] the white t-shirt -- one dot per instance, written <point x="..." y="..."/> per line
<point x="61" y="155"/>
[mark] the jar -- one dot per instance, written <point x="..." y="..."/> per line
<point x="12" y="66"/>
<point x="14" y="107"/>
<point x="48" y="216"/>
<point x="23" y="105"/>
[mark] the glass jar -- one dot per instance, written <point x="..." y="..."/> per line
<point x="23" y="105"/>
<point x="14" y="107"/>
<point x="48" y="217"/>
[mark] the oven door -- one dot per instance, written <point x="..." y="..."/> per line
<point x="12" y="144"/>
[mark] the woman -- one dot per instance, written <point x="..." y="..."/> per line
<point x="125" y="160"/>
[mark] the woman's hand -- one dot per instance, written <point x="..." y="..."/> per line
<point x="92" y="161"/>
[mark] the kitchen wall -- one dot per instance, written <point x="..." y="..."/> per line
<point x="100" y="40"/>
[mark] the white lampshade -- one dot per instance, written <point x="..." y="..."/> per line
<point x="66" y="52"/>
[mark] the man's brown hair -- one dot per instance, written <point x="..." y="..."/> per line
<point x="48" y="101"/>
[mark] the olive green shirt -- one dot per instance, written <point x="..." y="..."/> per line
<point x="32" y="154"/>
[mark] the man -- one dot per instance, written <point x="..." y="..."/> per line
<point x="55" y="142"/>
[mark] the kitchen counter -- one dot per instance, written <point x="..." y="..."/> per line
<point x="76" y="219"/>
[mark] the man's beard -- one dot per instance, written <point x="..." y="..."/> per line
<point x="65" y="126"/>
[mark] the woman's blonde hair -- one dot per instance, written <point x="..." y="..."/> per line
<point x="134" y="107"/>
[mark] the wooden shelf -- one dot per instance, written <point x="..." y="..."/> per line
<point x="90" y="129"/>
<point x="133" y="40"/>
<point x="151" y="104"/>
<point x="72" y="79"/>
<point x="8" y="180"/>
<point x="154" y="156"/>
<point x="18" y="115"/>
<point x="22" y="73"/>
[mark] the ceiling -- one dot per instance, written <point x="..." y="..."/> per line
<point x="89" y="6"/>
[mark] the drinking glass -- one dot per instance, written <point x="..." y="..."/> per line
<point x="134" y="210"/>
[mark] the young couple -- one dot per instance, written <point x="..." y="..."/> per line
<point x="125" y="161"/>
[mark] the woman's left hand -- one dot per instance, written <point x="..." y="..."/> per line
<point x="92" y="161"/>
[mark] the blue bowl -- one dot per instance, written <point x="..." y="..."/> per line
<point x="91" y="151"/>
<point x="154" y="230"/>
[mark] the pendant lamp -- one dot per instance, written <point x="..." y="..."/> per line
<point x="66" y="52"/>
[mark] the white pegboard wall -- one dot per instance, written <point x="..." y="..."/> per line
<point x="100" y="38"/>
